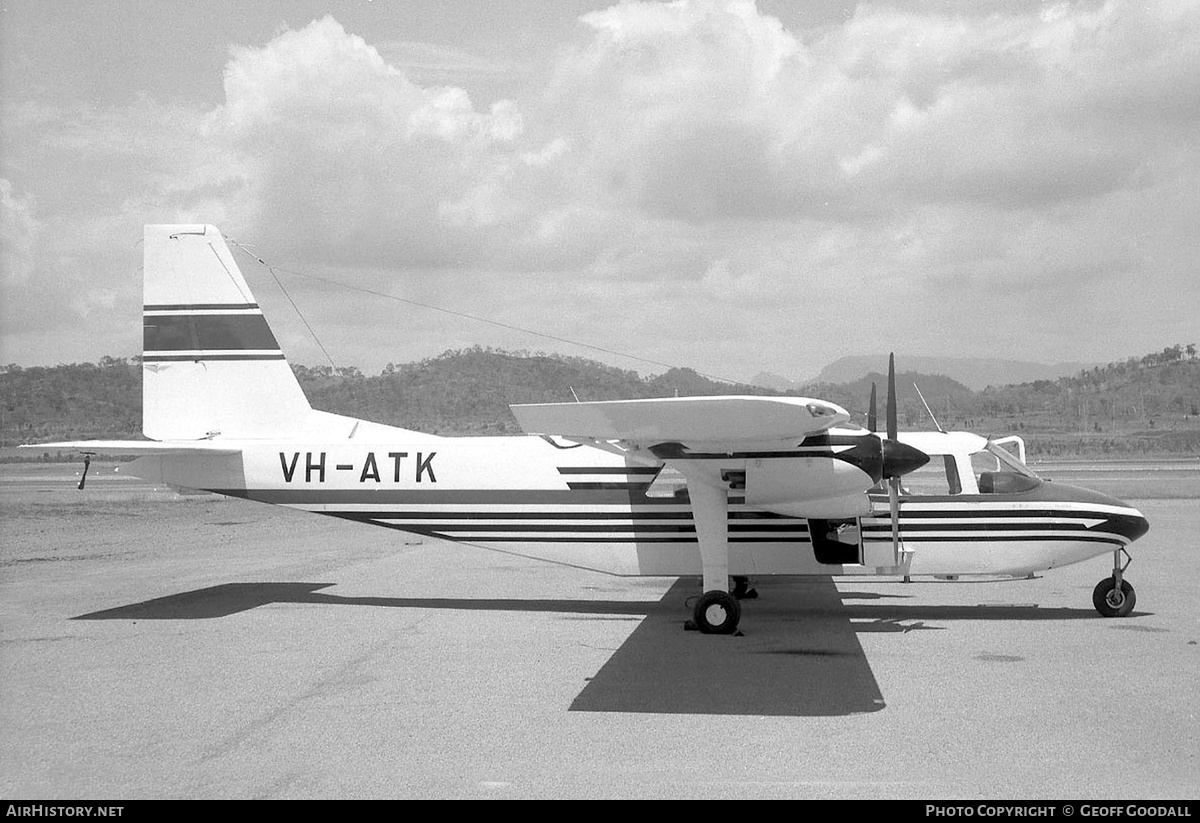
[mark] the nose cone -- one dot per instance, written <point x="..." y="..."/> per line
<point x="900" y="458"/>
<point x="1119" y="517"/>
<point x="1131" y="526"/>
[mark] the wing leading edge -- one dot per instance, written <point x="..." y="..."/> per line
<point x="696" y="422"/>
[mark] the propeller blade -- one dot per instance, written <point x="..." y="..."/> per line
<point x="872" y="416"/>
<point x="894" y="506"/>
<point x="891" y="404"/>
<point x="898" y="458"/>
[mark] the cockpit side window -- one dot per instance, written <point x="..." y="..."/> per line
<point x="984" y="461"/>
<point x="1000" y="472"/>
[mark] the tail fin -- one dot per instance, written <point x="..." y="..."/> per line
<point x="210" y="364"/>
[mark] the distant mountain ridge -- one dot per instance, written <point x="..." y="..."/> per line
<point x="976" y="373"/>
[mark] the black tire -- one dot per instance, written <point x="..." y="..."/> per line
<point x="1110" y="601"/>
<point x="717" y="612"/>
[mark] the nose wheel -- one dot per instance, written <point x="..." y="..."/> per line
<point x="1112" y="599"/>
<point x="1114" y="596"/>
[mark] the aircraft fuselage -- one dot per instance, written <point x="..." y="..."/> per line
<point x="586" y="507"/>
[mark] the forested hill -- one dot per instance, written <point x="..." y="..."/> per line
<point x="82" y="400"/>
<point x="469" y="391"/>
<point x="458" y="392"/>
<point x="1143" y="405"/>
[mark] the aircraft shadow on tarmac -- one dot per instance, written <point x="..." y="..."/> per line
<point x="800" y="655"/>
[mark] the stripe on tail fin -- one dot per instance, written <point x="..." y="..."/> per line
<point x="210" y="363"/>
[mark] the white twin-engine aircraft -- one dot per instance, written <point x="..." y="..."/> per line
<point x="722" y="487"/>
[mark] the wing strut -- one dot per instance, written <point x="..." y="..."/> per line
<point x="710" y="508"/>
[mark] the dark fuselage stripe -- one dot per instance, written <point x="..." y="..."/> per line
<point x="450" y="533"/>
<point x="439" y="497"/>
<point x="477" y="515"/>
<point x="973" y="527"/>
<point x="455" y="533"/>
<point x="581" y="528"/>
<point x="683" y="514"/>
<point x="608" y="470"/>
<point x="1079" y="537"/>
<point x="737" y="521"/>
<point x="199" y="306"/>
<point x="198" y="356"/>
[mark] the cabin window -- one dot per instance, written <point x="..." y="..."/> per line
<point x="938" y="476"/>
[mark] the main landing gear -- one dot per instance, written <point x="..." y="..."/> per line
<point x="1113" y="596"/>
<point x="716" y="612"/>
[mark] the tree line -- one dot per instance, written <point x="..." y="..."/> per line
<point x="1147" y="404"/>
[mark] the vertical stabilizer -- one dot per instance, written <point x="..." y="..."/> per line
<point x="210" y="364"/>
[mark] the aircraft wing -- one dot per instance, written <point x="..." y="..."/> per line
<point x="730" y="421"/>
<point x="706" y="441"/>
<point x="138" y="448"/>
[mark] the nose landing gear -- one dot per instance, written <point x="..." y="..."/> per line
<point x="1113" y="596"/>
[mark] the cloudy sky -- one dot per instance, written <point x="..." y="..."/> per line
<point x="731" y="186"/>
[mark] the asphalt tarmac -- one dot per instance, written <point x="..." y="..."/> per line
<point x="156" y="646"/>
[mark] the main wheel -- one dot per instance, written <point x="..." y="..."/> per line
<point x="1111" y="601"/>
<point x="717" y="612"/>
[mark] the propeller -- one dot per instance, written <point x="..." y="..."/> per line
<point x="872" y="417"/>
<point x="898" y="458"/>
<point x="893" y="477"/>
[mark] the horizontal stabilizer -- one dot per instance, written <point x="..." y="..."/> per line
<point x="137" y="448"/>
<point x="689" y="420"/>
